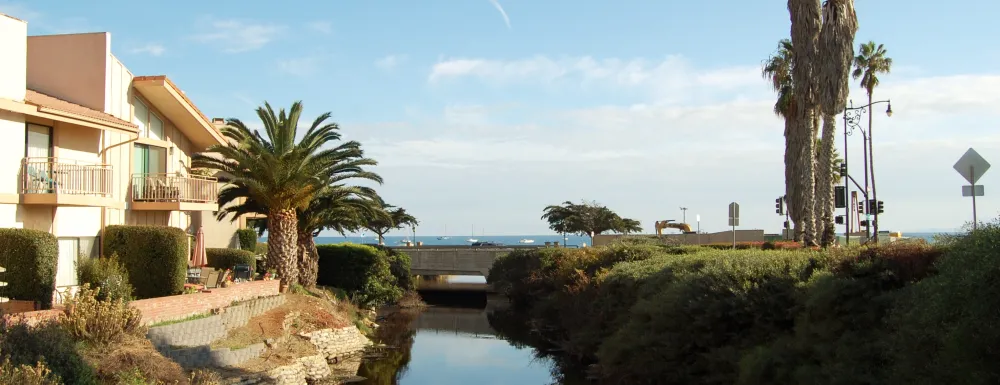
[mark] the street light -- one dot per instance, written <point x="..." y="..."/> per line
<point x="852" y="121"/>
<point x="684" y="213"/>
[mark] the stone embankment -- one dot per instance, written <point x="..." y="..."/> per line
<point x="336" y="347"/>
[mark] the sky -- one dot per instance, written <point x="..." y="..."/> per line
<point x="482" y="113"/>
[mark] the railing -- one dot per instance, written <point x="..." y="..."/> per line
<point x="173" y="188"/>
<point x="60" y="176"/>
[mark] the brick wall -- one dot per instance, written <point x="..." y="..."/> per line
<point x="182" y="306"/>
<point x="177" y="306"/>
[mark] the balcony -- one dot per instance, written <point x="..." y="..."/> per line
<point x="169" y="192"/>
<point x="63" y="182"/>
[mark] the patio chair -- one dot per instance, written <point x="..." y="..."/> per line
<point x="212" y="279"/>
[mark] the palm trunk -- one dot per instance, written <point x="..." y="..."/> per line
<point x="806" y="24"/>
<point x="824" y="182"/>
<point x="281" y="245"/>
<point x="794" y="213"/>
<point x="805" y="180"/>
<point x="308" y="259"/>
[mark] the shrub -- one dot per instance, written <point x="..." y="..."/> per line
<point x="362" y="271"/>
<point x="101" y="322"/>
<point x="227" y="258"/>
<point x="945" y="328"/>
<point x="107" y="276"/>
<point x="30" y="257"/>
<point x="248" y="239"/>
<point x="50" y="344"/>
<point x="399" y="265"/>
<point x="27" y="375"/>
<point x="154" y="256"/>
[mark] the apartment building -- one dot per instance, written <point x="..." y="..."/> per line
<point x="85" y="143"/>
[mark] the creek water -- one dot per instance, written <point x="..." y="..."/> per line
<point x="460" y="338"/>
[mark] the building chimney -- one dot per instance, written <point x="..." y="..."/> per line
<point x="218" y="121"/>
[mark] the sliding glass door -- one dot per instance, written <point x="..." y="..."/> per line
<point x="149" y="159"/>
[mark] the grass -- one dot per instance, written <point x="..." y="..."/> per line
<point x="185" y="319"/>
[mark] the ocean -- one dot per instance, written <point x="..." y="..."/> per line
<point x="572" y="240"/>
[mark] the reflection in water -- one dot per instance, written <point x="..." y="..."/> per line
<point x="451" y="342"/>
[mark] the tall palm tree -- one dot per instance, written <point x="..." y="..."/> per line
<point x="778" y="69"/>
<point x="805" y="30"/>
<point x="832" y="70"/>
<point x="870" y="62"/>
<point x="277" y="172"/>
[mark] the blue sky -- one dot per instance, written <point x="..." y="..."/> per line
<point x="644" y="106"/>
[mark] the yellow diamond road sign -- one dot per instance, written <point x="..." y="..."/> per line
<point x="972" y="166"/>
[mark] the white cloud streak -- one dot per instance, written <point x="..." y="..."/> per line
<point x="235" y="36"/>
<point x="151" y="49"/>
<point x="506" y="20"/>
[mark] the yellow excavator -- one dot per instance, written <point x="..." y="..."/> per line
<point x="670" y="224"/>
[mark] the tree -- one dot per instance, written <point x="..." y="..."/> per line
<point x="778" y="69"/>
<point x="806" y="25"/>
<point x="587" y="218"/>
<point x="392" y="219"/>
<point x="833" y="70"/>
<point x="870" y="62"/>
<point x="276" y="172"/>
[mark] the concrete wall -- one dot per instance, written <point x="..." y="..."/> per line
<point x="12" y="130"/>
<point x="220" y="234"/>
<point x="452" y="261"/>
<point x="71" y="67"/>
<point x="13" y="50"/>
<point x="118" y="89"/>
<point x="693" y="239"/>
<point x="204" y="331"/>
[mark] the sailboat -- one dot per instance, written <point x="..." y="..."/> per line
<point x="526" y="241"/>
<point x="444" y="237"/>
<point x="472" y="238"/>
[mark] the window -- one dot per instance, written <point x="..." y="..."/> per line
<point x="149" y="159"/>
<point x="38" y="141"/>
<point x="70" y="249"/>
<point x="150" y="125"/>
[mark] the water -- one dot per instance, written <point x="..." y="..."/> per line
<point x="453" y="343"/>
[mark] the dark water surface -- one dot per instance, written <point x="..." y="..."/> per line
<point x="455" y="341"/>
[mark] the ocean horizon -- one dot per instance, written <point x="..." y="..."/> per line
<point x="572" y="240"/>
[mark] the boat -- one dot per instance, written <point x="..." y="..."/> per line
<point x="444" y="237"/>
<point x="472" y="239"/>
<point x="526" y="241"/>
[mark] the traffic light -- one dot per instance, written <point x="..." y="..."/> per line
<point x="787" y="225"/>
<point x="779" y="208"/>
<point x="861" y="209"/>
<point x="839" y="219"/>
<point x="864" y="223"/>
<point x="881" y="208"/>
<point x="843" y="169"/>
<point x="839" y="197"/>
<point x="872" y="206"/>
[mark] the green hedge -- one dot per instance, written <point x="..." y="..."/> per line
<point x="364" y="272"/>
<point x="227" y="258"/>
<point x="155" y="257"/>
<point x="30" y="257"/>
<point x="248" y="239"/>
<point x="399" y="265"/>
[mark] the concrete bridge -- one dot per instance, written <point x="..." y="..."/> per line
<point x="455" y="260"/>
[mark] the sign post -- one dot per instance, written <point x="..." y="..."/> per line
<point x="734" y="219"/>
<point x="972" y="166"/>
<point x="698" y="218"/>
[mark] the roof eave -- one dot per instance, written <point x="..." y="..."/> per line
<point x="159" y="89"/>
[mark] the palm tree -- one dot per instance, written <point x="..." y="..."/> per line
<point x="277" y="173"/>
<point x="391" y="218"/>
<point x="806" y="25"/>
<point x="832" y="70"/>
<point x="778" y="69"/>
<point x="870" y="62"/>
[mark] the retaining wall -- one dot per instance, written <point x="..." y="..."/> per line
<point x="338" y="343"/>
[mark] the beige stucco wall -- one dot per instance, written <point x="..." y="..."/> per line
<point x="11" y="151"/>
<point x="118" y="89"/>
<point x="72" y="67"/>
<point x="217" y="233"/>
<point x="75" y="143"/>
<point x="13" y="50"/>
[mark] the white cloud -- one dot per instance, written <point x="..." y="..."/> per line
<point x="390" y="62"/>
<point x="238" y="35"/>
<point x="324" y="27"/>
<point x="676" y="148"/>
<point x="151" y="49"/>
<point x="506" y="20"/>
<point x="302" y="66"/>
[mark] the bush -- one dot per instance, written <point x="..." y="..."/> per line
<point x="101" y="322"/>
<point x="248" y="239"/>
<point x="30" y="257"/>
<point x="154" y="256"/>
<point x="945" y="328"/>
<point x="227" y="258"/>
<point x="50" y="344"/>
<point x="399" y="265"/>
<point x="362" y="271"/>
<point x="107" y="276"/>
<point x="27" y="375"/>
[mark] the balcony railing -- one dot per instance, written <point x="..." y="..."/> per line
<point x="173" y="188"/>
<point x="62" y="176"/>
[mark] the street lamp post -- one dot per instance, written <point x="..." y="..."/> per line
<point x="852" y="121"/>
<point x="684" y="214"/>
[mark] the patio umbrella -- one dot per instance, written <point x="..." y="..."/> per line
<point x="198" y="257"/>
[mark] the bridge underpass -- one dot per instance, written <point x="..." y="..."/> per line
<point x="455" y="260"/>
<point x="457" y="320"/>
